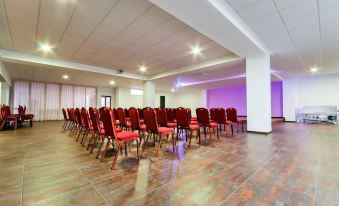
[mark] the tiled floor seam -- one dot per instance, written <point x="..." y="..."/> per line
<point x="94" y="187"/>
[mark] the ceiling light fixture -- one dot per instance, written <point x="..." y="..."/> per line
<point x="65" y="77"/>
<point x="172" y="90"/>
<point x="143" y="68"/>
<point x="112" y="82"/>
<point x="45" y="47"/>
<point x="314" y="69"/>
<point x="196" y="50"/>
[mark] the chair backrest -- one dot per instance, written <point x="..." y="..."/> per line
<point x="63" y="113"/>
<point x="232" y="114"/>
<point x="134" y="118"/>
<point x="203" y="116"/>
<point x="170" y="114"/>
<point x="115" y="113"/>
<point x="214" y="114"/>
<point x="141" y="113"/>
<point x="182" y="117"/>
<point x="121" y="117"/>
<point x="221" y="114"/>
<point x="126" y="113"/>
<point x="108" y="121"/>
<point x="78" y="117"/>
<point x="85" y="117"/>
<point x="150" y="119"/>
<point x="161" y="117"/>
<point x="93" y="113"/>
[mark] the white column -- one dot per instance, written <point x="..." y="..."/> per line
<point x="120" y="97"/>
<point x="258" y="87"/>
<point x="203" y="97"/>
<point x="290" y="99"/>
<point x="149" y="94"/>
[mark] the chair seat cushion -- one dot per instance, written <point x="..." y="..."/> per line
<point x="193" y="122"/>
<point x="165" y="130"/>
<point x="194" y="127"/>
<point x="194" y="118"/>
<point x="213" y="124"/>
<point x="171" y="124"/>
<point x="117" y="129"/>
<point x="143" y="127"/>
<point x="125" y="136"/>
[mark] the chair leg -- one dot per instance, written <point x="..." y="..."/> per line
<point x="90" y="140"/>
<point x="126" y="149"/>
<point x="105" y="150"/>
<point x="218" y="133"/>
<point x="138" y="150"/>
<point x="157" y="151"/>
<point x="174" y="143"/>
<point x="99" y="150"/>
<point x="199" y="136"/>
<point x="189" y="143"/>
<point x="210" y="131"/>
<point x="116" y="155"/>
<point x="232" y="129"/>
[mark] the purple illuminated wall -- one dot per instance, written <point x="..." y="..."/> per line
<point x="236" y="97"/>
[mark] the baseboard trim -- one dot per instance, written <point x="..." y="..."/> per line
<point x="290" y="121"/>
<point x="255" y="132"/>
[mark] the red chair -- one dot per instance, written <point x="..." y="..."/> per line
<point x="98" y="128"/>
<point x="193" y="120"/>
<point x="88" y="126"/>
<point x="183" y="123"/>
<point x="123" y="123"/>
<point x="136" y="123"/>
<point x="170" y="115"/>
<point x="23" y="117"/>
<point x="204" y="121"/>
<point x="162" y="118"/>
<point x="154" y="130"/>
<point x="7" y="118"/>
<point x="218" y="115"/>
<point x="80" y="125"/>
<point x="232" y="116"/>
<point x="66" y="119"/>
<point x="120" y="137"/>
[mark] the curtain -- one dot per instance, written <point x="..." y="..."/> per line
<point x="21" y="95"/>
<point x="90" y="97"/>
<point x="37" y="100"/>
<point x="52" y="110"/>
<point x="45" y="100"/>
<point x="79" y="97"/>
<point x="67" y="96"/>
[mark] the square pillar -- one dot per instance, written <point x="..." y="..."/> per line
<point x="258" y="89"/>
<point x="148" y="94"/>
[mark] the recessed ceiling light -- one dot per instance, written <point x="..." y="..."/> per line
<point x="143" y="68"/>
<point x="314" y="69"/>
<point x="196" y="50"/>
<point x="172" y="90"/>
<point x="45" y="47"/>
<point x="112" y="82"/>
<point x="65" y="76"/>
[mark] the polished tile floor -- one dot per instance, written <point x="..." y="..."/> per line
<point x="295" y="165"/>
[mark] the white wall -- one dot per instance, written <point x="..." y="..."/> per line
<point x="169" y="99"/>
<point x="106" y="91"/>
<point x="309" y="91"/>
<point x="124" y="98"/>
<point x="192" y="100"/>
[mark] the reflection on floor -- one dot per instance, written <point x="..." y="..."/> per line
<point x="295" y="165"/>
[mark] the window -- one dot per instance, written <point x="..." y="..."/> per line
<point x="106" y="101"/>
<point x="137" y="92"/>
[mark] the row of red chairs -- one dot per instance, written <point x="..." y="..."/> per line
<point x="14" y="120"/>
<point x="119" y="126"/>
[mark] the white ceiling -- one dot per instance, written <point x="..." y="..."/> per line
<point x="118" y="34"/>
<point x="54" y="75"/>
<point x="127" y="33"/>
<point x="300" y="33"/>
